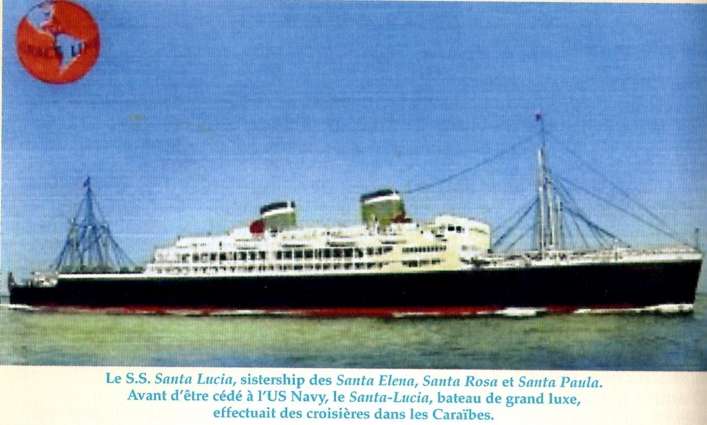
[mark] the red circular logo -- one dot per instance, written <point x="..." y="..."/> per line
<point x="58" y="41"/>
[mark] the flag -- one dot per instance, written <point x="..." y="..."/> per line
<point x="538" y="115"/>
<point x="87" y="183"/>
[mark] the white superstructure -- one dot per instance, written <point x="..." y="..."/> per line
<point x="448" y="243"/>
<point x="397" y="248"/>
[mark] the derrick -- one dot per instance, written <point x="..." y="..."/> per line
<point x="89" y="246"/>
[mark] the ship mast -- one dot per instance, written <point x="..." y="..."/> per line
<point x="89" y="245"/>
<point x="549" y="216"/>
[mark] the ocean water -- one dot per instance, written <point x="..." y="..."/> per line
<point x="585" y="342"/>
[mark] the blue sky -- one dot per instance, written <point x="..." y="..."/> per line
<point x="197" y="114"/>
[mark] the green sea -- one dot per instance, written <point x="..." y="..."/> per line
<point x="630" y="341"/>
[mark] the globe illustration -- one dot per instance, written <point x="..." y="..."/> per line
<point x="58" y="41"/>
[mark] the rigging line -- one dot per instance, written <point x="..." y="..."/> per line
<point x="603" y="232"/>
<point x="99" y="217"/>
<point x="514" y="225"/>
<point x="121" y="256"/>
<point x="472" y="168"/>
<point x="597" y="231"/>
<point x="57" y="262"/>
<point x="567" y="195"/>
<point x="623" y="210"/>
<point x="564" y="192"/>
<point x="515" y="213"/>
<point x="80" y="207"/>
<point x="536" y="227"/>
<point x="116" y="248"/>
<point x="618" y="188"/>
<point x="602" y="235"/>
<point x="523" y="235"/>
<point x="579" y="230"/>
<point x="598" y="237"/>
<point x="567" y="229"/>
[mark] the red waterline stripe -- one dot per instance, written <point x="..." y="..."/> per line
<point x="305" y="312"/>
<point x="389" y="311"/>
<point x="383" y="312"/>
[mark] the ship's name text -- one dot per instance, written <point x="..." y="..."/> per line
<point x="521" y="381"/>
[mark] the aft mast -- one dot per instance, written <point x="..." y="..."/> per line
<point x="548" y="226"/>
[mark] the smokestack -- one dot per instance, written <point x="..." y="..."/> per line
<point x="383" y="207"/>
<point x="279" y="215"/>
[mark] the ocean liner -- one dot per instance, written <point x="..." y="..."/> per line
<point x="388" y="265"/>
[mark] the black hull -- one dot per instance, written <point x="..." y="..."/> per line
<point x="565" y="288"/>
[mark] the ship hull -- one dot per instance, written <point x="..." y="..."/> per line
<point x="613" y="286"/>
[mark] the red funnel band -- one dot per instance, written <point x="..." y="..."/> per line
<point x="257" y="227"/>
